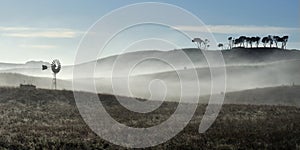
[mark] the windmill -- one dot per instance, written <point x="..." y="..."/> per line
<point x="55" y="67"/>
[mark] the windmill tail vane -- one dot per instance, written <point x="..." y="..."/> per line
<point x="44" y="67"/>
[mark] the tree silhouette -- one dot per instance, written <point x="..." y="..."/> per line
<point x="257" y="39"/>
<point x="276" y="40"/>
<point x="249" y="41"/>
<point x="220" y="45"/>
<point x="242" y="40"/>
<point x="233" y="43"/>
<point x="265" y="40"/>
<point x="198" y="42"/>
<point x="270" y="40"/>
<point x="206" y="41"/>
<point x="230" y="42"/>
<point x="238" y="41"/>
<point x="285" y="40"/>
<point x="252" y="40"/>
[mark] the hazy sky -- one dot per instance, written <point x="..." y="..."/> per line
<point x="43" y="30"/>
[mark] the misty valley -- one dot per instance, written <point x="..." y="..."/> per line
<point x="261" y="102"/>
<point x="155" y="75"/>
<point x="245" y="69"/>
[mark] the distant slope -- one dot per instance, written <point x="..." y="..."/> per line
<point x="258" y="55"/>
<point x="14" y="80"/>
<point x="4" y="66"/>
<point x="29" y="64"/>
<point x="283" y="95"/>
<point x="235" y="56"/>
<point x="246" y="69"/>
<point x="238" y="77"/>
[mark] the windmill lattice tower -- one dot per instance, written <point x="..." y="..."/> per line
<point x="55" y="67"/>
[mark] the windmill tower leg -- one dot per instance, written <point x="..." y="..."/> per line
<point x="54" y="81"/>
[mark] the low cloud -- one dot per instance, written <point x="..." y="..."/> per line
<point x="27" y="32"/>
<point x="237" y="29"/>
<point x="39" y="46"/>
<point x="15" y="28"/>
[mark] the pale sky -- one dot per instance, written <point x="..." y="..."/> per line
<point x="44" y="30"/>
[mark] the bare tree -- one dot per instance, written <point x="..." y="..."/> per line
<point x="220" y="45"/>
<point x="230" y="42"/>
<point x="206" y="41"/>
<point x="198" y="42"/>
<point x="284" y="41"/>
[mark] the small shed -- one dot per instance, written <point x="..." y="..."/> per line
<point x="27" y="86"/>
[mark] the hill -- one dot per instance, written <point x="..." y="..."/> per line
<point x="238" y="77"/>
<point x="245" y="69"/>
<point x="235" y="56"/>
<point x="28" y="64"/>
<point x="258" y="55"/>
<point x="282" y="95"/>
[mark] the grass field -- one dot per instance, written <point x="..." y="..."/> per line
<point x="45" y="119"/>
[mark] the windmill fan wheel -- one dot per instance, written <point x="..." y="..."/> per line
<point x="55" y="66"/>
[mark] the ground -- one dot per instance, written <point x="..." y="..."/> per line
<point x="45" y="119"/>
